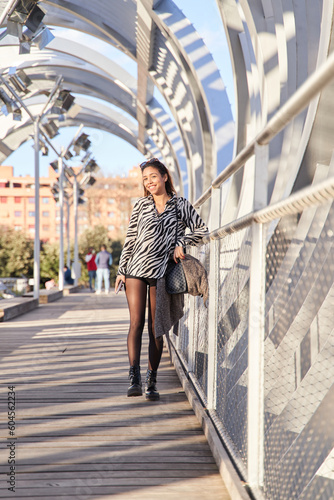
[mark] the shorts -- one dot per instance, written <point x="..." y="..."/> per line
<point x="148" y="281"/>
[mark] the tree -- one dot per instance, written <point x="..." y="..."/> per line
<point x="95" y="237"/>
<point x="49" y="262"/>
<point x="16" y="254"/>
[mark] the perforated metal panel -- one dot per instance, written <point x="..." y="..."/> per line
<point x="183" y="333"/>
<point x="232" y="339"/>
<point x="299" y="358"/>
<point x="201" y="326"/>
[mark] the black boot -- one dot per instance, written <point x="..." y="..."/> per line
<point x="151" y="389"/>
<point x="135" y="388"/>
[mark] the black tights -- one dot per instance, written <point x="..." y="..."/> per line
<point x="136" y="292"/>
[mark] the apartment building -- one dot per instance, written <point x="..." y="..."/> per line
<point x="109" y="202"/>
<point x="17" y="203"/>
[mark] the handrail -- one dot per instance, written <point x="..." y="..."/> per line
<point x="300" y="99"/>
<point x="295" y="203"/>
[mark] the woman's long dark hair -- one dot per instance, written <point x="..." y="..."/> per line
<point x="155" y="163"/>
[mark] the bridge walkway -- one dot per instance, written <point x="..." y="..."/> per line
<point x="76" y="433"/>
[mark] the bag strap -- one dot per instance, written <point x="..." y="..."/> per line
<point x="175" y="225"/>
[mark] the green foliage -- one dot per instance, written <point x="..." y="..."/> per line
<point x="94" y="237"/>
<point x="16" y="254"/>
<point x="49" y="262"/>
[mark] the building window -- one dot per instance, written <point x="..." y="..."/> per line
<point x="17" y="199"/>
<point x="97" y="214"/>
<point x="45" y="200"/>
<point x="46" y="214"/>
<point x="31" y="214"/>
<point x="18" y="213"/>
<point x="17" y="228"/>
<point x="111" y="214"/>
<point x="57" y="228"/>
<point x="111" y="201"/>
<point x="3" y="199"/>
<point x="31" y="227"/>
<point x="111" y="227"/>
<point x="31" y="200"/>
<point x="46" y="228"/>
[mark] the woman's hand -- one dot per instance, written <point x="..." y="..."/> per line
<point x="178" y="253"/>
<point x="119" y="277"/>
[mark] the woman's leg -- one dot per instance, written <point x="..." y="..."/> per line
<point x="155" y="345"/>
<point x="136" y="291"/>
<point x="99" y="280"/>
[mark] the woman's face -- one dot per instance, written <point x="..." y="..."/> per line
<point x="153" y="181"/>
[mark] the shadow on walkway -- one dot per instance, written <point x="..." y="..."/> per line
<point x="77" y="435"/>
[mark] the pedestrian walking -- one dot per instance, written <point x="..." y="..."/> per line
<point x="103" y="262"/>
<point x="91" y="268"/>
<point x="149" y="244"/>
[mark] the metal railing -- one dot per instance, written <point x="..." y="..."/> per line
<point x="301" y="98"/>
<point x="267" y="325"/>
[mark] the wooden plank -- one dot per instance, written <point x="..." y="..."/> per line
<point x="78" y="435"/>
<point x="207" y="488"/>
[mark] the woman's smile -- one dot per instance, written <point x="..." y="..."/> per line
<point x="154" y="181"/>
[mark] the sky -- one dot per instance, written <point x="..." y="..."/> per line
<point x="114" y="155"/>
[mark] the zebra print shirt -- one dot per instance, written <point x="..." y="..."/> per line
<point x="151" y="236"/>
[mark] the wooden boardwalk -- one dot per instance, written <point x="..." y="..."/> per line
<point x="77" y="435"/>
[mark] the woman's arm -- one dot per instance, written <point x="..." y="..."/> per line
<point x="129" y="240"/>
<point x="194" y="222"/>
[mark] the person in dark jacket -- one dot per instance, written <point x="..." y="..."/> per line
<point x="103" y="261"/>
<point x="68" y="280"/>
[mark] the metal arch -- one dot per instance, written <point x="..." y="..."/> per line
<point x="97" y="81"/>
<point x="96" y="115"/>
<point x="193" y="142"/>
<point x="204" y="120"/>
<point x="52" y="60"/>
<point x="208" y="141"/>
<point x="96" y="19"/>
<point x="97" y="111"/>
<point x="93" y="114"/>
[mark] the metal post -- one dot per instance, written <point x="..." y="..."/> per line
<point x="68" y="262"/>
<point x="213" y="301"/>
<point x="36" y="241"/>
<point x="192" y="340"/>
<point x="255" y="458"/>
<point x="76" y="252"/>
<point x="61" y="225"/>
<point x="6" y="10"/>
<point x="256" y="327"/>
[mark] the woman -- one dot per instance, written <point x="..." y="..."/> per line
<point x="148" y="245"/>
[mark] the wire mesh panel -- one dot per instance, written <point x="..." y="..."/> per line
<point x="232" y="361"/>
<point x="201" y="324"/>
<point x="183" y="333"/>
<point x="299" y="358"/>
